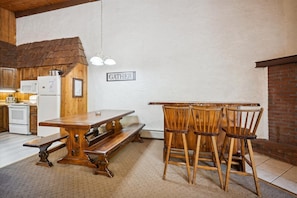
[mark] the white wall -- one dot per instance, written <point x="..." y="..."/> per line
<point x="190" y="50"/>
<point x="290" y="10"/>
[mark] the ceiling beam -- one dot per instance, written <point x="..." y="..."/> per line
<point x="51" y="7"/>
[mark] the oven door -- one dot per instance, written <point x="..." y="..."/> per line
<point x="18" y="114"/>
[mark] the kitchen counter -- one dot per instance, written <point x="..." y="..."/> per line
<point x="3" y="103"/>
<point x="28" y="102"/>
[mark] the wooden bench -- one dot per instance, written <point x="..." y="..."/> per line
<point x="102" y="151"/>
<point x="43" y="144"/>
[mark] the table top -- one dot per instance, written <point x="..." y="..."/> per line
<point x="87" y="120"/>
<point x="204" y="103"/>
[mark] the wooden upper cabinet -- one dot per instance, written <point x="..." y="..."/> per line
<point x="44" y="71"/>
<point x="8" y="78"/>
<point x="7" y="26"/>
<point x="29" y="73"/>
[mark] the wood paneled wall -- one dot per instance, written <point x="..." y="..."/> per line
<point x="7" y="26"/>
<point x="74" y="105"/>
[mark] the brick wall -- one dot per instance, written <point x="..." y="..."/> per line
<point x="284" y="152"/>
<point x="282" y="110"/>
<point x="282" y="103"/>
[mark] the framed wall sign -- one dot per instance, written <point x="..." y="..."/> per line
<point x="121" y="76"/>
<point x="77" y="87"/>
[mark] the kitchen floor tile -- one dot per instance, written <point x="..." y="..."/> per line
<point x="285" y="183"/>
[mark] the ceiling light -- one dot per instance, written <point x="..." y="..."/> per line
<point x="96" y="60"/>
<point x="100" y="59"/>
<point x="109" y="61"/>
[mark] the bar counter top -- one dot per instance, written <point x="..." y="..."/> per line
<point x="205" y="103"/>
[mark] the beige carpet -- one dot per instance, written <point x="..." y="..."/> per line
<point x="138" y="170"/>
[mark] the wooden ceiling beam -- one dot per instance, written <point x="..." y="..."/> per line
<point x="51" y="7"/>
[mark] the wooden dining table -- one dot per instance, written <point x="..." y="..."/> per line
<point x="80" y="125"/>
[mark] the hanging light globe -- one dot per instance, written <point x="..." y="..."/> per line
<point x="96" y="60"/>
<point x="109" y="61"/>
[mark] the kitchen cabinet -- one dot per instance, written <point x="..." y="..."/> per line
<point x="33" y="120"/>
<point x="44" y="71"/>
<point x="3" y="118"/>
<point x="7" y="26"/>
<point x="8" y="78"/>
<point x="29" y="73"/>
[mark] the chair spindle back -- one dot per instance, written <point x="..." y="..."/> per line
<point x="177" y="118"/>
<point x="243" y="122"/>
<point x="207" y="119"/>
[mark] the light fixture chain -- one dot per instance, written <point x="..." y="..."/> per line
<point x="101" y="27"/>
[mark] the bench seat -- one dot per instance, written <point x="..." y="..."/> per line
<point x="102" y="151"/>
<point x="43" y="144"/>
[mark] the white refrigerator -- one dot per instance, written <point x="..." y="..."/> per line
<point x="49" y="103"/>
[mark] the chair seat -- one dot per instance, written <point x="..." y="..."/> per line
<point x="240" y="133"/>
<point x="176" y="131"/>
<point x="249" y="136"/>
<point x="206" y="133"/>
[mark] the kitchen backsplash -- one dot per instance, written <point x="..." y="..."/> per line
<point x="19" y="96"/>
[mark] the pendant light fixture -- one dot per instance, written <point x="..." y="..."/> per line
<point x="100" y="59"/>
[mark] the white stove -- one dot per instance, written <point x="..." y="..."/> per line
<point x="19" y="118"/>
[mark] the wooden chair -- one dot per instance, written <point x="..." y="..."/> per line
<point x="242" y="124"/>
<point x="207" y="123"/>
<point x="177" y="122"/>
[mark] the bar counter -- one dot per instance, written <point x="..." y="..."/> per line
<point x="191" y="137"/>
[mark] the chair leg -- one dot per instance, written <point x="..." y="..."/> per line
<point x="196" y="158"/>
<point x="218" y="163"/>
<point x="251" y="154"/>
<point x="242" y="142"/>
<point x="167" y="155"/>
<point x="229" y="164"/>
<point x="187" y="156"/>
<point x="223" y="149"/>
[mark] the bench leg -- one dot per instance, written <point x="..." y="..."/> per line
<point x="43" y="155"/>
<point x="102" y="166"/>
<point x="137" y="138"/>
